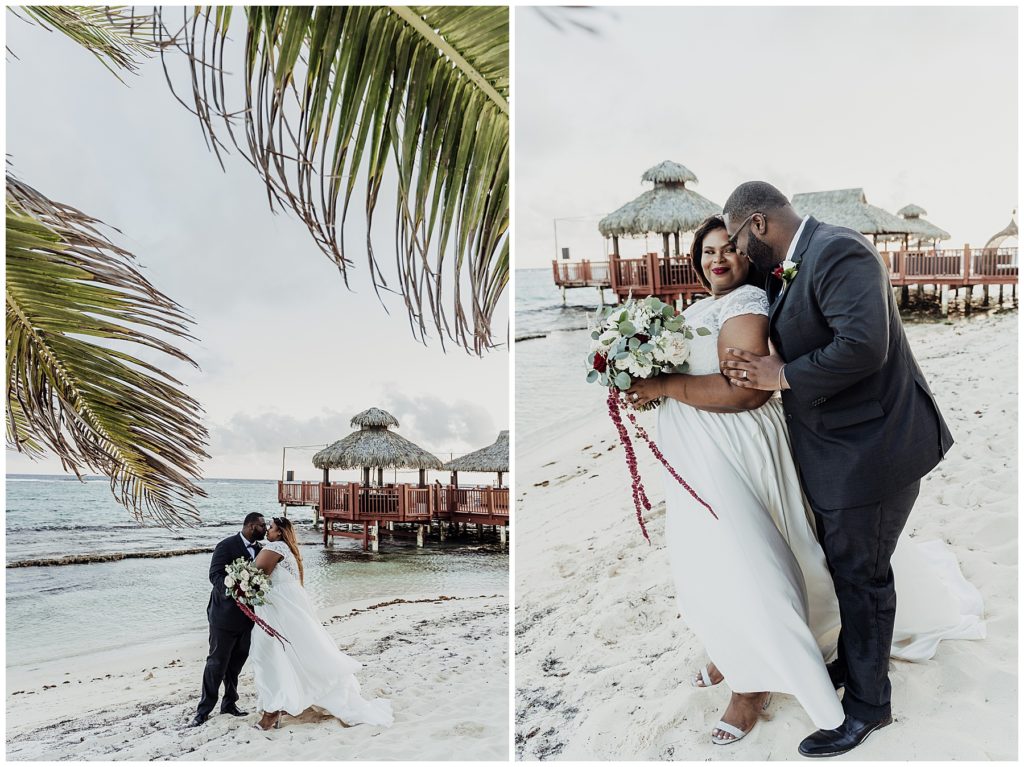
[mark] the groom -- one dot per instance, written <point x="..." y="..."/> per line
<point x="230" y="628"/>
<point x="863" y="423"/>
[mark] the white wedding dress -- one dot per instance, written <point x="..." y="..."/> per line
<point x="309" y="670"/>
<point x="753" y="585"/>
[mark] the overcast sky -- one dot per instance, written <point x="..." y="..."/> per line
<point x="288" y="355"/>
<point x="915" y="105"/>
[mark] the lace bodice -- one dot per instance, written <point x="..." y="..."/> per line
<point x="287" y="563"/>
<point x="712" y="313"/>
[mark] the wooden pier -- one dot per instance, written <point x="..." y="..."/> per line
<point x="342" y="505"/>
<point x="673" y="278"/>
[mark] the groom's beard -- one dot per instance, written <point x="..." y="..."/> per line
<point x="760" y="254"/>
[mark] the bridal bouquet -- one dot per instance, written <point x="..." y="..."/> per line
<point x="640" y="338"/>
<point x="248" y="586"/>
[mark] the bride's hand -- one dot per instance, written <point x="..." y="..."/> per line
<point x="644" y="391"/>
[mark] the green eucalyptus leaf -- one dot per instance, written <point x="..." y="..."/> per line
<point x="623" y="381"/>
<point x="703" y="332"/>
<point x="592" y="376"/>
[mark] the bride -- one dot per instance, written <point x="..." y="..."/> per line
<point x="754" y="584"/>
<point x="309" y="669"/>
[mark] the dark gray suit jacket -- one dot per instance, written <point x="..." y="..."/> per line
<point x="221" y="610"/>
<point x="861" y="417"/>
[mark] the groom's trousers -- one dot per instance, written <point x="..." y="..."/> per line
<point x="859" y="543"/>
<point x="228" y="653"/>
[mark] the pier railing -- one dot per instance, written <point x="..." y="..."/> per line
<point x="397" y="503"/>
<point x="675" y="276"/>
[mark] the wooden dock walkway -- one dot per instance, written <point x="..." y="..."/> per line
<point x="673" y="278"/>
<point x="425" y="508"/>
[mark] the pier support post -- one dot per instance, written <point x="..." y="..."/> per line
<point x="904" y="295"/>
<point x="375" y="536"/>
<point x="984" y="294"/>
<point x="316" y="517"/>
<point x="968" y="295"/>
<point x="563" y="295"/>
<point x="944" y="299"/>
<point x="480" y="531"/>
<point x="420" y="535"/>
<point x="1000" y="295"/>
<point x="503" y="534"/>
<point x="442" y="531"/>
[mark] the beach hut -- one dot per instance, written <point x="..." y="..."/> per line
<point x="1007" y="238"/>
<point x="667" y="209"/>
<point x="485" y="460"/>
<point x="921" y="229"/>
<point x="850" y="208"/>
<point x="375" y="446"/>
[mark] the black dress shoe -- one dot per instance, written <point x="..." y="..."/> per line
<point x="836" y="674"/>
<point x="850" y="734"/>
<point x="234" y="711"/>
<point x="198" y="720"/>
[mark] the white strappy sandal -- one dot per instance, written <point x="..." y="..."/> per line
<point x="703" y="679"/>
<point x="736" y="732"/>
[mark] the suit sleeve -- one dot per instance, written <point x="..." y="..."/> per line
<point x="221" y="558"/>
<point x="851" y="287"/>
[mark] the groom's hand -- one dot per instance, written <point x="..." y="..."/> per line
<point x="751" y="371"/>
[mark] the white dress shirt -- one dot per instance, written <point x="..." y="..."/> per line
<point x="249" y="546"/>
<point x="796" y="239"/>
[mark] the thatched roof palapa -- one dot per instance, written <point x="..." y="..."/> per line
<point x="375" y="446"/>
<point x="1010" y="232"/>
<point x="920" y="228"/>
<point x="491" y="458"/>
<point x="668" y="208"/>
<point x="849" y="208"/>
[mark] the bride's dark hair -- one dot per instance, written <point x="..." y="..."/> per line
<point x="754" y="275"/>
<point x="291" y="541"/>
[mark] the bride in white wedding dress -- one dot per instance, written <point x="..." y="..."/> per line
<point x="309" y="669"/>
<point x="754" y="584"/>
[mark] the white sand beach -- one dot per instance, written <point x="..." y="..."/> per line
<point x="603" y="660"/>
<point x="441" y="661"/>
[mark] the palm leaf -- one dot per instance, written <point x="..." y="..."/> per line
<point x="333" y="91"/>
<point x="114" y="35"/>
<point x="75" y="302"/>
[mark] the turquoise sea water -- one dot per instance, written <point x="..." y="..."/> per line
<point x="65" y="611"/>
<point x="550" y="371"/>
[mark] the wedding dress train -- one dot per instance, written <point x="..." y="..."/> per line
<point x="308" y="669"/>
<point x="753" y="584"/>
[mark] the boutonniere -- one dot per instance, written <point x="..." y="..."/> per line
<point x="786" y="271"/>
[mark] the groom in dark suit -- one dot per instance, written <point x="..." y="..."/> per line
<point x="230" y="628"/>
<point x="864" y="425"/>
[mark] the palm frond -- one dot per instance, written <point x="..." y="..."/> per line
<point x="114" y="35"/>
<point x="75" y="302"/>
<point x="334" y="91"/>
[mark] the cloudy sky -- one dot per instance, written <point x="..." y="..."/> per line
<point x="915" y="105"/>
<point x="287" y="354"/>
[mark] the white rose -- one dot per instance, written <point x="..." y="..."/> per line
<point x="675" y="348"/>
<point x="244" y="577"/>
<point x="787" y="265"/>
<point x="229" y="581"/>
<point x="622" y="364"/>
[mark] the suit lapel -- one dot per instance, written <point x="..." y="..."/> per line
<point x="798" y="254"/>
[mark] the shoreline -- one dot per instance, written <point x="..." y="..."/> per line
<point x="425" y="652"/>
<point x="603" y="658"/>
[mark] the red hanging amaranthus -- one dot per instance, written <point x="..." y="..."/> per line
<point x="271" y="631"/>
<point x="640" y="500"/>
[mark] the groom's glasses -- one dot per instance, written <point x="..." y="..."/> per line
<point x="732" y="240"/>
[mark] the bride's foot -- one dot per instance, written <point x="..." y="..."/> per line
<point x="708" y="676"/>
<point x="740" y="717"/>
<point x="270" y="720"/>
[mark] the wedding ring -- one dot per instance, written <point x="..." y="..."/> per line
<point x="636" y="397"/>
<point x="744" y="375"/>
